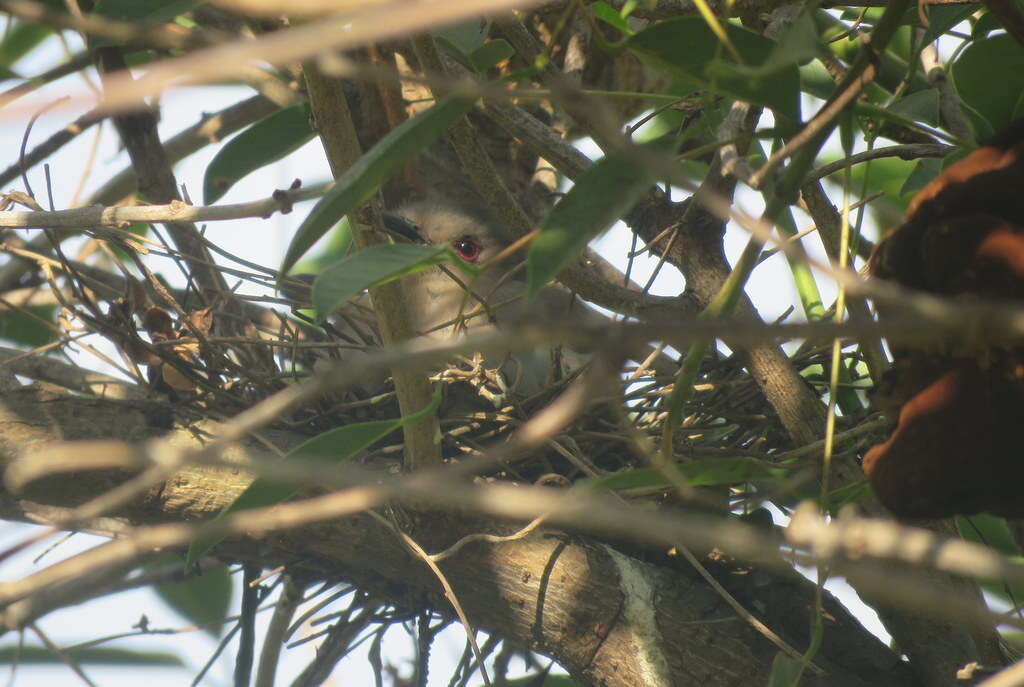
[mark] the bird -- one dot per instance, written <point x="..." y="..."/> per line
<point x="442" y="302"/>
<point x="955" y="447"/>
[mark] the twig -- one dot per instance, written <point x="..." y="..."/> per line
<point x="449" y="593"/>
<point x="284" y="610"/>
<point x="63" y="656"/>
<point x="910" y="151"/>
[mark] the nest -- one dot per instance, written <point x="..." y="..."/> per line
<point x="218" y="359"/>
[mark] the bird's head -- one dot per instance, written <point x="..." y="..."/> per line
<point x="472" y="234"/>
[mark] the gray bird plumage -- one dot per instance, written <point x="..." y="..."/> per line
<point x="442" y="302"/>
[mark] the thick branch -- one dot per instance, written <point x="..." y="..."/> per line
<point x="564" y="596"/>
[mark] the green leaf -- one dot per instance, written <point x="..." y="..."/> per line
<point x="362" y="179"/>
<point x="798" y="45"/>
<point x="491" y="53"/>
<point x="466" y="36"/>
<point x="19" y="40"/>
<point x="983" y="64"/>
<point x="851" y="493"/>
<point x="371" y="267"/>
<point x="263" y="143"/>
<point x="26" y="326"/>
<point x="547" y="681"/>
<point x="922" y="106"/>
<point x="992" y="531"/>
<point x="335" y="248"/>
<point x="611" y="16"/>
<point x="601" y="195"/>
<point x="942" y="18"/>
<point x="91" y="655"/>
<point x="786" y="671"/>
<point x="924" y="171"/>
<point x="333" y="446"/>
<point x="203" y="599"/>
<point x="685" y="47"/>
<point x="703" y="472"/>
<point x="985" y="25"/>
<point x="144" y="11"/>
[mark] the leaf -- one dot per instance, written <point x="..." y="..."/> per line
<point x="601" y="195"/>
<point x="26" y="326"/>
<point x="491" y="53"/>
<point x="544" y="681"/>
<point x="203" y="599"/>
<point x="263" y="143"/>
<point x="798" y="45"/>
<point x="91" y="655"/>
<point x="371" y="170"/>
<point x="992" y="531"/>
<point x="144" y="11"/>
<point x="922" y="106"/>
<point x="703" y="472"/>
<point x="942" y="18"/>
<point x="333" y="446"/>
<point x="786" y="671"/>
<point x="995" y="60"/>
<point x="611" y="16"/>
<point x="685" y="47"/>
<point x="335" y="248"/>
<point x="19" y="40"/>
<point x="371" y="267"/>
<point x="924" y="171"/>
<point x="466" y="36"/>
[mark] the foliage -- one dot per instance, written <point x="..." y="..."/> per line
<point x="703" y="453"/>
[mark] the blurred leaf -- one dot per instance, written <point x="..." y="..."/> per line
<point x="703" y="472"/>
<point x="989" y="530"/>
<point x="19" y="40"/>
<point x="942" y="18"/>
<point x="687" y="48"/>
<point x="886" y="175"/>
<point x="547" y="681"/>
<point x="798" y="45"/>
<point x="989" y="76"/>
<point x="922" y="106"/>
<point x="263" y="143"/>
<point x="362" y="179"/>
<point x="203" y="599"/>
<point x="491" y="53"/>
<point x="924" y="171"/>
<point x="144" y="11"/>
<point x="992" y="531"/>
<point x="454" y="51"/>
<point x="786" y="671"/>
<point x="19" y="326"/>
<point x="466" y="36"/>
<point x="93" y="655"/>
<point x="335" y="248"/>
<point x="851" y="493"/>
<point x="985" y="25"/>
<point x="600" y="196"/>
<point x="611" y="16"/>
<point x="333" y="446"/>
<point x="371" y="267"/>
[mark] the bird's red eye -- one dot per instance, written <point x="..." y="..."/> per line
<point x="468" y="248"/>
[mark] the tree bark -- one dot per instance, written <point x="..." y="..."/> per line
<point x="612" y="614"/>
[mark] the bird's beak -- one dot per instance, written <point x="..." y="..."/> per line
<point x="400" y="226"/>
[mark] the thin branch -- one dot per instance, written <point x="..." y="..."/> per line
<point x="910" y="151"/>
